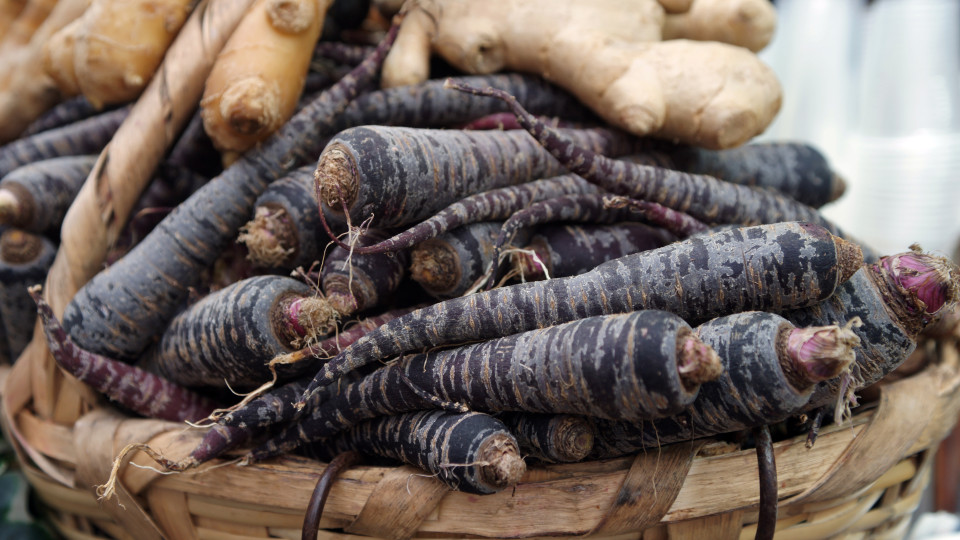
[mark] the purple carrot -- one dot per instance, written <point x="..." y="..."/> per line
<point x="401" y="175"/>
<point x="285" y="231"/>
<point x="36" y="196"/>
<point x="231" y="334"/>
<point x="122" y="320"/>
<point x="66" y="112"/>
<point x="25" y="259"/>
<point x="551" y="438"/>
<point x="703" y="197"/>
<point x="119" y="311"/>
<point x="140" y="391"/>
<point x="504" y="121"/>
<point x="636" y="366"/>
<point x="896" y="299"/>
<point x="331" y="346"/>
<point x="452" y="263"/>
<point x="591" y="208"/>
<point x="493" y="205"/>
<point x="470" y="452"/>
<point x="567" y="250"/>
<point x="355" y="283"/>
<point x="87" y="136"/>
<point x="795" y="169"/>
<point x="770" y="371"/>
<point x="770" y="267"/>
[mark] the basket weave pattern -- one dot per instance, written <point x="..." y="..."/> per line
<point x="861" y="479"/>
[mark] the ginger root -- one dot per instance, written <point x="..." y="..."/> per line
<point x="747" y="23"/>
<point x="609" y="54"/>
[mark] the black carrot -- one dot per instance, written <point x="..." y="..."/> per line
<point x="35" y="197"/>
<point x="469" y="452"/>
<point x="771" y="369"/>
<point x="768" y="267"/>
<point x="400" y="175"/>
<point x="24" y="261"/>
<point x="568" y="250"/>
<point x="138" y="390"/>
<point x="87" y="136"/>
<point x="634" y="366"/>
<point x="551" y="438"/>
<point x="591" y="208"/>
<point x="119" y="311"/>
<point x="355" y="283"/>
<point x="703" y="197"/>
<point x="493" y="205"/>
<point x="451" y="264"/>
<point x="132" y="300"/>
<point x="230" y="335"/>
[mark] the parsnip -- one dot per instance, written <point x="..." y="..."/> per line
<point x="259" y="75"/>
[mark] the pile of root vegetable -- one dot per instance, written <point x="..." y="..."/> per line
<point x="284" y="221"/>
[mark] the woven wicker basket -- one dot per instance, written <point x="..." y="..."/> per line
<point x="861" y="479"/>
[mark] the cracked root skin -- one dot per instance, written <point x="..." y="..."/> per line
<point x="707" y="94"/>
<point x="249" y="94"/>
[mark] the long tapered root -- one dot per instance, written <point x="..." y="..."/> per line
<point x="697" y="362"/>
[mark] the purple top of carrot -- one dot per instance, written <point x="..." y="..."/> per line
<point x="931" y="281"/>
<point x="818" y="353"/>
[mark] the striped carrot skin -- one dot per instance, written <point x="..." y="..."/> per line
<point x="470" y="452"/>
<point x="119" y="311"/>
<point x="87" y="136"/>
<point x="634" y="366"/>
<point x="773" y="267"/>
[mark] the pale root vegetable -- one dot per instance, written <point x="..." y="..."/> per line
<point x="746" y="23"/>
<point x="258" y="77"/>
<point x="608" y="53"/>
<point x="21" y="29"/>
<point x="28" y="91"/>
<point x="58" y="55"/>
<point x="9" y="10"/>
<point x="121" y="44"/>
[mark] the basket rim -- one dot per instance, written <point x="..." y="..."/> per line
<point x="579" y="498"/>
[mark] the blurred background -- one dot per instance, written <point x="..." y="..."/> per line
<point x="876" y="86"/>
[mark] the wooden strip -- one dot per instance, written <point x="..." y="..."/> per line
<point x="171" y="512"/>
<point x="204" y="533"/>
<point x="249" y="514"/>
<point x="94" y="432"/>
<point x="399" y="504"/>
<point x="65" y="498"/>
<point x="725" y="526"/>
<point x="228" y="527"/>
<point x="830" y="523"/>
<point x="54" y="440"/>
<point x="901" y="417"/>
<point x="649" y="489"/>
<point x="885" y="514"/>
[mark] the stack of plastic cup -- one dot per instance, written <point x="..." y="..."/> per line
<point x="905" y="187"/>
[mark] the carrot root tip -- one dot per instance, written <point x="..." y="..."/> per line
<point x="698" y="362"/>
